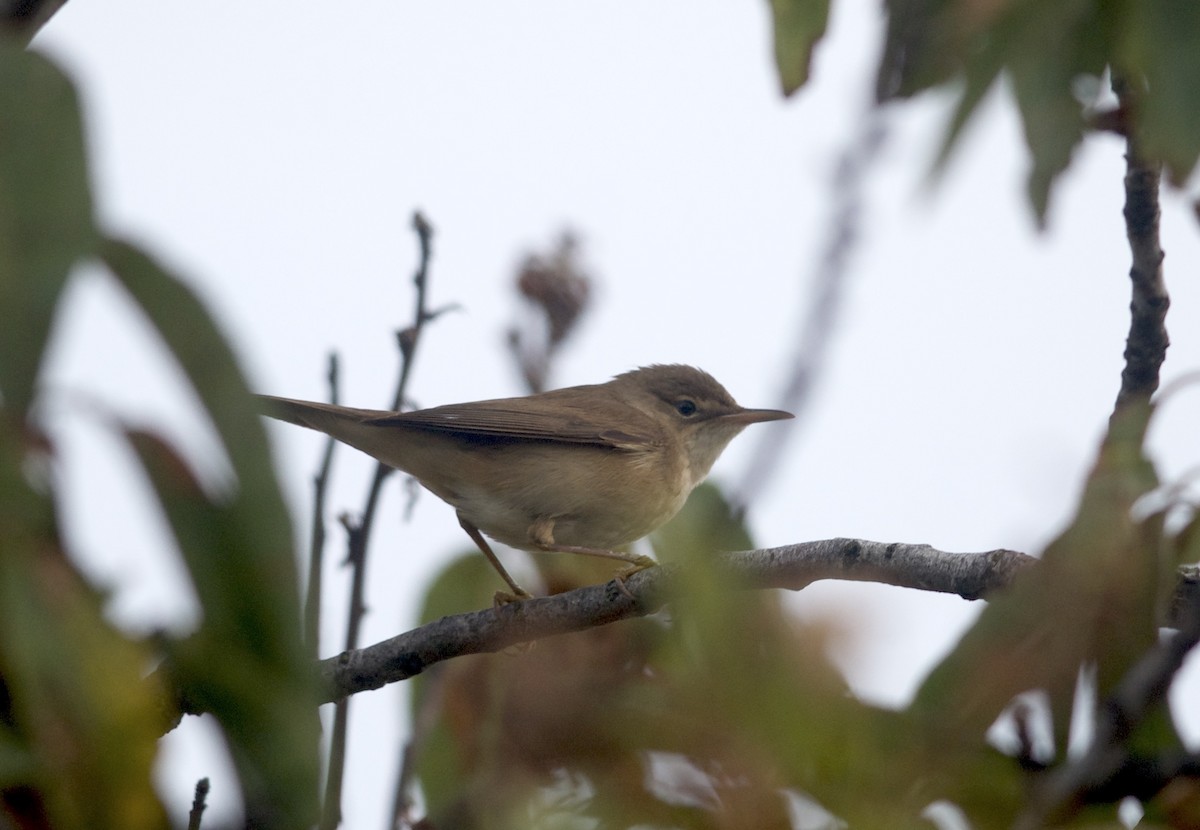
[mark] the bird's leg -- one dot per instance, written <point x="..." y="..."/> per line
<point x="501" y="598"/>
<point x="541" y="532"/>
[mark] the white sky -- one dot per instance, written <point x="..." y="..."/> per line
<point x="274" y="152"/>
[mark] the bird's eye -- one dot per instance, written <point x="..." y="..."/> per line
<point x="686" y="408"/>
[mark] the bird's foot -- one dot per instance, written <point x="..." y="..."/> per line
<point x="502" y="598"/>
<point x="641" y="563"/>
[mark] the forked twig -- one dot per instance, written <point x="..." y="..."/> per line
<point x="359" y="531"/>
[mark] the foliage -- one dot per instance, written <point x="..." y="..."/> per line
<point x="79" y="718"/>
<point x="727" y="713"/>
<point x="1052" y="54"/>
<point x="723" y="712"/>
<point x="799" y="24"/>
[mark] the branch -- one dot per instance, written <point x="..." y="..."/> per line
<point x="316" y="550"/>
<point x="969" y="575"/>
<point x="199" y="804"/>
<point x="816" y="333"/>
<point x="791" y="567"/>
<point x="1146" y="345"/>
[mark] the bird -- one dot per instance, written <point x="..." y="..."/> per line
<point x="584" y="469"/>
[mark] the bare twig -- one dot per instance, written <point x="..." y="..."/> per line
<point x="316" y="554"/>
<point x="359" y="532"/>
<point x="1146" y="345"/>
<point x="199" y="804"/>
<point x="816" y="333"/>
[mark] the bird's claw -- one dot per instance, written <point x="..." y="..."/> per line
<point x="502" y="598"/>
<point x="641" y="563"/>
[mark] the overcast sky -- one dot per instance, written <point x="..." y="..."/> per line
<point x="273" y="153"/>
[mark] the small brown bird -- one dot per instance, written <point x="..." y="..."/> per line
<point x="586" y="469"/>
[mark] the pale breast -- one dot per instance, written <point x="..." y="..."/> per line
<point x="596" y="497"/>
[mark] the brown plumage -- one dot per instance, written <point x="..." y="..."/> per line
<point x="585" y="469"/>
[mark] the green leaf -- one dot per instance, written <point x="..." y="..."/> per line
<point x="1044" y="48"/>
<point x="466" y="583"/>
<point x="263" y="699"/>
<point x="738" y="665"/>
<point x="798" y="25"/>
<point x="926" y="44"/>
<point x="246" y="664"/>
<point x="1161" y="44"/>
<point x="1062" y="42"/>
<point x="1093" y="597"/>
<point x="45" y="211"/>
<point x="80" y="721"/>
<point x="704" y="526"/>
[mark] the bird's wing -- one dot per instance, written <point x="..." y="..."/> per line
<point x="516" y="419"/>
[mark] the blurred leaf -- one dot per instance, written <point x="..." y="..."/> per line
<point x="1177" y="805"/>
<point x="264" y="700"/>
<point x="700" y="717"/>
<point x="467" y="582"/>
<point x="45" y="211"/>
<point x="917" y="52"/>
<point x="1044" y="49"/>
<point x="1059" y="45"/>
<point x="1093" y="597"/>
<point x="80" y="722"/>
<point x="246" y="664"/>
<point x="743" y="684"/>
<point x="798" y="25"/>
<point x="1187" y="541"/>
<point x="706" y="525"/>
<point x="1162" y="44"/>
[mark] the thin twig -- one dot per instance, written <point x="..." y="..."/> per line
<point x="199" y="804"/>
<point x="359" y="532"/>
<point x="1146" y="345"/>
<point x="316" y="553"/>
<point x="816" y="334"/>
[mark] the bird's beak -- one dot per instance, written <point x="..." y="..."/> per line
<point x="755" y="416"/>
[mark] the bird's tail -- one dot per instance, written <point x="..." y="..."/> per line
<point x="323" y="417"/>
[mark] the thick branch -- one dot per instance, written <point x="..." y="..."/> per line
<point x="969" y="575"/>
<point x="792" y="567"/>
